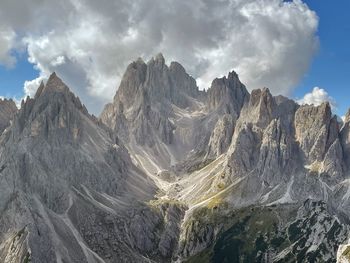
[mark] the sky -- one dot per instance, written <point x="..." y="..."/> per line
<point x="330" y="69"/>
<point x="295" y="48"/>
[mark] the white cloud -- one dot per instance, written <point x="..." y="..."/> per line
<point x="268" y="42"/>
<point x="30" y="86"/>
<point x="7" y="42"/>
<point x="316" y="97"/>
<point x="60" y="60"/>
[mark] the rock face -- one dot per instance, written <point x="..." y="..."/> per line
<point x="228" y="95"/>
<point x="8" y="110"/>
<point x="317" y="132"/>
<point x="169" y="173"/>
<point x="143" y="105"/>
<point x="67" y="185"/>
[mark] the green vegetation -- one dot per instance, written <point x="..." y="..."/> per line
<point x="264" y="231"/>
<point x="27" y="258"/>
<point x="202" y="257"/>
<point x="294" y="232"/>
<point x="245" y="236"/>
<point x="252" y="234"/>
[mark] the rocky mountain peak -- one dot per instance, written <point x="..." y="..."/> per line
<point x="5" y="101"/>
<point x="227" y="94"/>
<point x="54" y="84"/>
<point x="232" y="80"/>
<point x="52" y="107"/>
<point x="178" y="173"/>
<point x="325" y="111"/>
<point x="159" y="59"/>
<point x="177" y="68"/>
<point x="40" y="89"/>
<point x="140" y="60"/>
<point x="261" y="97"/>
<point x="55" y="90"/>
<point x="131" y="83"/>
<point x="233" y="75"/>
<point x="316" y="130"/>
<point x="149" y="89"/>
<point x="261" y="108"/>
<point x="7" y="104"/>
<point x="157" y="62"/>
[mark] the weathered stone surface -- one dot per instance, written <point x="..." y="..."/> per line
<point x="8" y="110"/>
<point x="227" y="95"/>
<point x="169" y="173"/>
<point x="56" y="156"/>
<point x="221" y="137"/>
<point x="345" y="138"/>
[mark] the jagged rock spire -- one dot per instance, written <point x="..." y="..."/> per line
<point x="228" y="95"/>
<point x="8" y="110"/>
<point x="65" y="178"/>
<point x="160" y="58"/>
<point x="53" y="106"/>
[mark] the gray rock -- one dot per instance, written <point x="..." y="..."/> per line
<point x="8" y="110"/>
<point x="169" y="172"/>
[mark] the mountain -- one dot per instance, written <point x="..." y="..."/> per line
<point x="67" y="186"/>
<point x="170" y="173"/>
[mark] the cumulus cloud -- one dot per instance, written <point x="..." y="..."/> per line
<point x="316" y="97"/>
<point x="268" y="42"/>
<point x="7" y="40"/>
<point x="30" y="86"/>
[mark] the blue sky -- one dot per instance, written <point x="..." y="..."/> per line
<point x="12" y="79"/>
<point x="330" y="67"/>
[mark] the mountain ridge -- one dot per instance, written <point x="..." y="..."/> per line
<point x="169" y="173"/>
